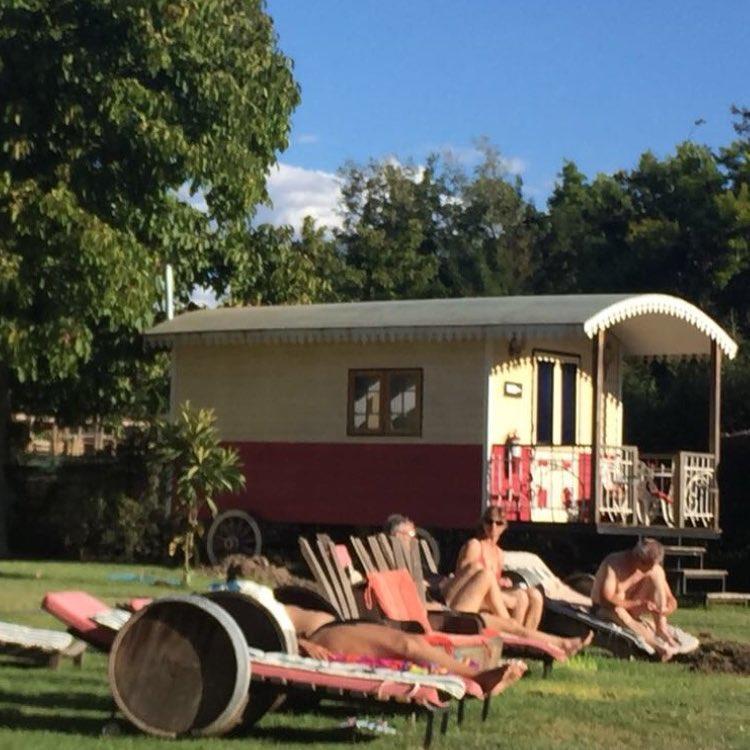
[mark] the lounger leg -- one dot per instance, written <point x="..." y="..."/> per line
<point x="428" y="731"/>
<point x="486" y="708"/>
<point x="444" y="721"/>
<point x="54" y="661"/>
<point x="547" y="668"/>
<point x="460" y="713"/>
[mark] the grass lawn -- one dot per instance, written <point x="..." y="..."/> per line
<point x="592" y="702"/>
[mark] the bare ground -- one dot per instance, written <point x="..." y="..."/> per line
<point x="713" y="655"/>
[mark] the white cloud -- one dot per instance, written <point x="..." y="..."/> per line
<point x="471" y="156"/>
<point x="306" y="138"/>
<point x="196" y="201"/>
<point x="203" y="297"/>
<point x="297" y="192"/>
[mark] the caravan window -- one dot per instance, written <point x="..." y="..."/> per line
<point x="556" y="398"/>
<point x="385" y="402"/>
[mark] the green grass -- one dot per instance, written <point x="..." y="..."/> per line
<point x="592" y="702"/>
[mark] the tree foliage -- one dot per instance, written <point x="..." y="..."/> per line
<point x="109" y="107"/>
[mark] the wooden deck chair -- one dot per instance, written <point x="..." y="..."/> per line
<point x="404" y="557"/>
<point x="39" y="645"/>
<point x="468" y="642"/>
<point x="264" y="669"/>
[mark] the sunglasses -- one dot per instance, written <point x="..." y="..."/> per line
<point x="495" y="522"/>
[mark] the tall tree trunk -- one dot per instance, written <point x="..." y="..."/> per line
<point x="5" y="491"/>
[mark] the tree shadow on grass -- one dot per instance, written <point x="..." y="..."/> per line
<point x="12" y="718"/>
<point x="304" y="736"/>
<point x="68" y="701"/>
<point x="19" y="576"/>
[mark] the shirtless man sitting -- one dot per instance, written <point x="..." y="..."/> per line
<point x="631" y="585"/>
<point x="321" y="636"/>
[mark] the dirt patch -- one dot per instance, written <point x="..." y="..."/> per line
<point x="714" y="656"/>
<point x="261" y="570"/>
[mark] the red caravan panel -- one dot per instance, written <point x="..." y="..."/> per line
<point x="361" y="483"/>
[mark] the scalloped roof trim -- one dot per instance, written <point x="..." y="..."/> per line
<point x="662" y="304"/>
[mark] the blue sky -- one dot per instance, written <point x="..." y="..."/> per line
<point x="595" y="82"/>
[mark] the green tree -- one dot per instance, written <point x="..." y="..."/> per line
<point x="390" y="212"/>
<point x="490" y="233"/>
<point x="108" y="108"/>
<point x="275" y="266"/>
<point x="201" y="468"/>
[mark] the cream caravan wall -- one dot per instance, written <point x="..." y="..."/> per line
<point x="298" y="392"/>
<point x="508" y="414"/>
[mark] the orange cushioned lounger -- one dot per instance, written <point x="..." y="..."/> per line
<point x="399" y="599"/>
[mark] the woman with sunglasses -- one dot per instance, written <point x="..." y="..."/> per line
<point x="483" y="552"/>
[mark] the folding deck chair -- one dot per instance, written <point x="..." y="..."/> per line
<point x="39" y="645"/>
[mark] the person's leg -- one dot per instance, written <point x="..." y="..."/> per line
<point x="480" y="592"/>
<point x="630" y="621"/>
<point x="536" y="607"/>
<point x="654" y="589"/>
<point x="568" y="646"/>
<point x="378" y="641"/>
<point x="451" y="586"/>
<point x="517" y="602"/>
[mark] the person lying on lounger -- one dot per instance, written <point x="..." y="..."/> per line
<point x="631" y="586"/>
<point x="321" y="636"/>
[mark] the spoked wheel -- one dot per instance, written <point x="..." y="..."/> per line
<point x="233" y="532"/>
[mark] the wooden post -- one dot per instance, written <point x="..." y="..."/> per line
<point x="597" y="421"/>
<point x="714" y="423"/>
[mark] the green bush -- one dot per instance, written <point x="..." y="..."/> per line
<point x="88" y="510"/>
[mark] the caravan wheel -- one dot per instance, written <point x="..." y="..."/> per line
<point x="233" y="532"/>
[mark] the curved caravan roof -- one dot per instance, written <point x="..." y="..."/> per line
<point x="646" y="324"/>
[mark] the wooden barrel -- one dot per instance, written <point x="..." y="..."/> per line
<point x="260" y="630"/>
<point x="180" y="666"/>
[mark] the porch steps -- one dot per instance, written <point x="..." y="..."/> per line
<point x="683" y="575"/>
<point x="728" y="597"/>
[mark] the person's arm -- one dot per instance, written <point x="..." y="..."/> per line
<point x="504" y="581"/>
<point x="470" y="554"/>
<point x="610" y="595"/>
<point x="314" y="650"/>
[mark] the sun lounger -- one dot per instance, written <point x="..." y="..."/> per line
<point x="219" y="680"/>
<point x="87" y="617"/>
<point x="518" y="646"/>
<point x="398" y="596"/>
<point x="353" y="603"/>
<point x="40" y="645"/>
<point x="568" y="612"/>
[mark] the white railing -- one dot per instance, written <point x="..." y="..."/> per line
<point x="618" y="473"/>
<point x="679" y="490"/>
<point x="552" y="484"/>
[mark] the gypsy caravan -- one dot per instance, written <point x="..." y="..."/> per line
<point x="344" y="413"/>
